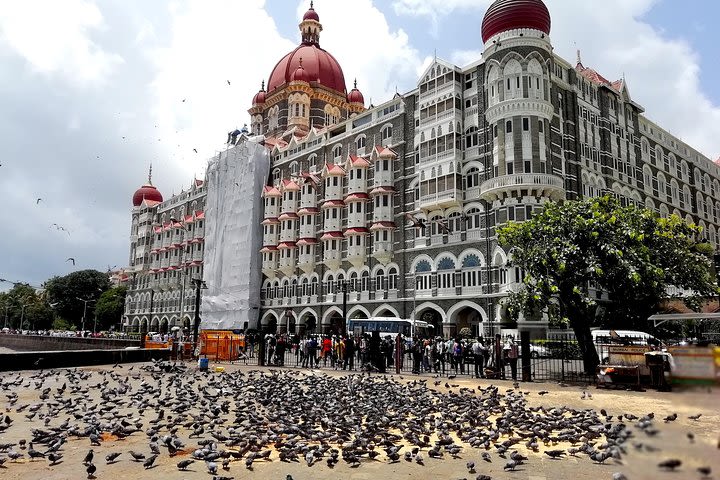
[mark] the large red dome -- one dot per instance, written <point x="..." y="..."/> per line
<point x="504" y="15"/>
<point x="146" y="192"/>
<point x="319" y="65"/>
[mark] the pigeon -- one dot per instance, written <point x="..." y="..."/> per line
<point x="704" y="471"/>
<point x="695" y="417"/>
<point x="470" y="466"/>
<point x="54" y="458"/>
<point x="149" y="462"/>
<point x="510" y="465"/>
<point x="38" y="201"/>
<point x="543" y="392"/>
<point x="91" y="469"/>
<point x="670" y="418"/>
<point x="483" y="477"/>
<point x="486" y="456"/>
<point x="228" y="82"/>
<point x="183" y="465"/>
<point x="554" y="453"/>
<point x="137" y="456"/>
<point x="211" y="467"/>
<point x="71" y="259"/>
<point x="670" y="464"/>
<point x="110" y="457"/>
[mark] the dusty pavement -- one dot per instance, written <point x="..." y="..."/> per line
<point x="671" y="440"/>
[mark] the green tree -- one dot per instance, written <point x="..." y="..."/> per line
<point x="62" y="324"/>
<point x="23" y="307"/>
<point x="66" y="293"/>
<point x="110" y="307"/>
<point x="629" y="252"/>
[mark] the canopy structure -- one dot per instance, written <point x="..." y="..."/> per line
<point x="660" y="318"/>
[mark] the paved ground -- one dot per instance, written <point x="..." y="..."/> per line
<point x="671" y="442"/>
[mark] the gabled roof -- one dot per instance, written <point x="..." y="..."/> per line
<point x="384" y="152"/>
<point x="271" y="191"/>
<point x="357" y="162"/>
<point x="290" y="185"/>
<point x="332" y="169"/>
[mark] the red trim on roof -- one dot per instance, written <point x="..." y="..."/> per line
<point x="270" y="191"/>
<point x="357" y="196"/>
<point x="307" y="241"/>
<point x="356" y="231"/>
<point x="382" y="226"/>
<point x="199" y="215"/>
<point x="334" y="169"/>
<point x="308" y="210"/>
<point x="332" y="203"/>
<point x="188" y="218"/>
<point x="358" y="162"/>
<point x="288" y="216"/>
<point x="290" y="185"/>
<point x="268" y="248"/>
<point x="331" y="235"/>
<point x="378" y="190"/>
<point x="286" y="245"/>
<point x="271" y="221"/>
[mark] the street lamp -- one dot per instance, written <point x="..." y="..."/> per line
<point x="22" y="313"/>
<point x="85" y="301"/>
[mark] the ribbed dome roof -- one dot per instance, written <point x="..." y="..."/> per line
<point x="300" y="75"/>
<point x="355" y="95"/>
<point x="504" y="15"/>
<point x="311" y="14"/>
<point x="259" y="97"/>
<point x="319" y="65"/>
<point x="146" y="192"/>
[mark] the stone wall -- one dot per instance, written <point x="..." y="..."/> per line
<point x="77" y="358"/>
<point x="35" y="343"/>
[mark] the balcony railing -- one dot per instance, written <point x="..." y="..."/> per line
<point x="543" y="184"/>
<point x="445" y="198"/>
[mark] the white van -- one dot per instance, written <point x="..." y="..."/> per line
<point x="603" y="339"/>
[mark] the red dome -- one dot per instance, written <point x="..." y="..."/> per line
<point x="355" y="95"/>
<point x="300" y="75"/>
<point x="319" y="66"/>
<point x="504" y="15"/>
<point x="259" y="98"/>
<point x="311" y="15"/>
<point x="146" y="192"/>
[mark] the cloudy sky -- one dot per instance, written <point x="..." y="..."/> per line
<point x="91" y="92"/>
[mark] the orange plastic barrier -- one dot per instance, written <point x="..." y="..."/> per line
<point x="157" y="345"/>
<point x="221" y="345"/>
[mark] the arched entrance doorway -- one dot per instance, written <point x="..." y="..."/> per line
<point x="434" y="315"/>
<point x="467" y="316"/>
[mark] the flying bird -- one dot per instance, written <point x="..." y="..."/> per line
<point x="195" y="150"/>
<point x="38" y="201"/>
<point x="228" y="81"/>
<point x="71" y="259"/>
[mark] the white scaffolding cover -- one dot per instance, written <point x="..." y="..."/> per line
<point x="233" y="237"/>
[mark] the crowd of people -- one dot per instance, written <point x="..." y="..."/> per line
<point x="478" y="357"/>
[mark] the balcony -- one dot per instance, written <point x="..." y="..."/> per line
<point x="356" y="255"/>
<point x="444" y="199"/>
<point x="519" y="107"/>
<point x="383" y="251"/>
<point x="542" y="184"/>
<point x="383" y="178"/>
<point x="332" y="259"/>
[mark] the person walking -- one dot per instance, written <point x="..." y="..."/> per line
<point x="457" y="354"/>
<point x="349" y="353"/>
<point x="440" y="355"/>
<point x="477" y="352"/>
<point x="326" y="349"/>
<point x="417" y="353"/>
<point x="339" y="354"/>
<point x="511" y="354"/>
<point x="312" y="346"/>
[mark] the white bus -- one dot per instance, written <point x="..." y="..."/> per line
<point x="390" y="326"/>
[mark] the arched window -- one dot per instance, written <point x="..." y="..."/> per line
<point x="472" y="178"/>
<point x="471" y="137"/>
<point x="360" y="144"/>
<point x="392" y="278"/>
<point x="380" y="280"/>
<point x="386" y="135"/>
<point x="535" y="80"/>
<point x="493" y="85"/>
<point x="473" y="219"/>
<point x="511" y="73"/>
<point x="337" y="152"/>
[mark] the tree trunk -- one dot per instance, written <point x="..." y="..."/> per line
<point x="586" y="345"/>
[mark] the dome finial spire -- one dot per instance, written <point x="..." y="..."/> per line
<point x="262" y="85"/>
<point x="150" y="174"/>
<point x="355" y="83"/>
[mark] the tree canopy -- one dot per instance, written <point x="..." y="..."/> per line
<point x="22" y="307"/>
<point x="629" y="252"/>
<point x="109" y="307"/>
<point x="66" y="292"/>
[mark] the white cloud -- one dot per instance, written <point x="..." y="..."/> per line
<point x="662" y="72"/>
<point x="210" y="43"/>
<point x="54" y="37"/>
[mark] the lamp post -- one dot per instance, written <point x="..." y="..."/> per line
<point x="199" y="284"/>
<point x="7" y="307"/>
<point x="85" y="302"/>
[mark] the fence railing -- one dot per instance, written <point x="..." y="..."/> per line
<point x="558" y="359"/>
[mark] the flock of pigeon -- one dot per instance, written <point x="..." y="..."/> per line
<point x="237" y="421"/>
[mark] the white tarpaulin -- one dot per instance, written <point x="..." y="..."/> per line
<point x="233" y="237"/>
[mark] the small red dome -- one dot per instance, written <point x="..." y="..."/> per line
<point x="300" y="75"/>
<point x="146" y="192"/>
<point x="311" y="14"/>
<point x="259" y="97"/>
<point x="319" y="65"/>
<point x="355" y="95"/>
<point x="504" y="15"/>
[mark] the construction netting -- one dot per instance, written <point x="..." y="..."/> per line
<point x="233" y="236"/>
